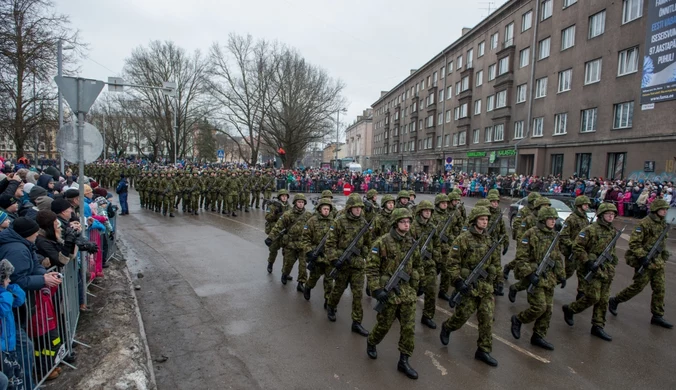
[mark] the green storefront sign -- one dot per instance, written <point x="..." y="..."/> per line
<point x="476" y="154"/>
<point x="499" y="153"/>
<point x="507" y="152"/>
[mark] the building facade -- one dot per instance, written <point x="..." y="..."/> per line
<point x="538" y="87"/>
<point x="359" y="139"/>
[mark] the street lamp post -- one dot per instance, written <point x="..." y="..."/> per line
<point x="59" y="71"/>
<point x="335" y="149"/>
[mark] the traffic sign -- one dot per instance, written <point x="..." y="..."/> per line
<point x="79" y="93"/>
<point x="221" y="153"/>
<point x="449" y="160"/>
<point x="449" y="167"/>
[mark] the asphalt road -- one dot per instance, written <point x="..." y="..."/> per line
<point x="209" y="305"/>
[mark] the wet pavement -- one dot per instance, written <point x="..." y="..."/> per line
<point x="209" y="305"/>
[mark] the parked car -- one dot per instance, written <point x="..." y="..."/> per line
<point x="562" y="204"/>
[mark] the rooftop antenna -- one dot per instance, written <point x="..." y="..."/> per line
<point x="488" y="6"/>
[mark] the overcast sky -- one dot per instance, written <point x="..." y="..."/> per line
<point x="370" y="45"/>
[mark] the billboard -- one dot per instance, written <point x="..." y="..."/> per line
<point x="658" y="83"/>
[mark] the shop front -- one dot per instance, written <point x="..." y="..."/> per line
<point x="499" y="162"/>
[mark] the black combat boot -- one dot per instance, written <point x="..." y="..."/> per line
<point x="600" y="333"/>
<point x="444" y="296"/>
<point x="233" y="214"/>
<point x="406" y="368"/>
<point x="540" y="342"/>
<point x="499" y="289"/>
<point x="612" y="305"/>
<point x="246" y="210"/>
<point x="164" y="213"/>
<point x="371" y="351"/>
<point x="326" y="303"/>
<point x="269" y="267"/>
<point x="331" y="313"/>
<point x="445" y="335"/>
<point x="358" y="329"/>
<point x="516" y="328"/>
<point x="485" y="357"/>
<point x="171" y="215"/>
<point x="307" y="293"/>
<point x="579" y="295"/>
<point x="660" y="321"/>
<point x="428" y="322"/>
<point x="196" y="213"/>
<point x="568" y="315"/>
<point x="300" y="287"/>
<point x="284" y="279"/>
<point x="512" y="294"/>
<point x="505" y="272"/>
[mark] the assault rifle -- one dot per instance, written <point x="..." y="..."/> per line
<point x="443" y="237"/>
<point x="350" y="251"/>
<point x="424" y="253"/>
<point x="314" y="254"/>
<point x="495" y="223"/>
<point x="605" y="255"/>
<point x="477" y="273"/>
<point x="655" y="249"/>
<point x="269" y="241"/>
<point x="547" y="262"/>
<point x="398" y="275"/>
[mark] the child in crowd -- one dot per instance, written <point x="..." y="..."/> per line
<point x="11" y="296"/>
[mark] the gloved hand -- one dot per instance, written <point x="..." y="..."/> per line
<point x="88" y="246"/>
<point x="268" y="241"/>
<point x="310" y="258"/>
<point x="380" y="295"/>
<point x="591" y="266"/>
<point x="112" y="236"/>
<point x="505" y="249"/>
<point x="438" y="268"/>
<point x="562" y="282"/>
<point x="461" y="286"/>
<point x="420" y="291"/>
<point x="644" y="261"/>
<point x="534" y="279"/>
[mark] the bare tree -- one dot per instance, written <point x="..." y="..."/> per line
<point x="242" y="84"/>
<point x="206" y="142"/>
<point x="303" y="107"/>
<point x="29" y="34"/>
<point x="111" y="119"/>
<point x="164" y="61"/>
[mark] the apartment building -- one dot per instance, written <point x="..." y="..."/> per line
<point x="538" y="87"/>
<point x="359" y="139"/>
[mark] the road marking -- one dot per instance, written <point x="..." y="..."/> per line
<point x="436" y="363"/>
<point x="500" y="339"/>
<point x="234" y="220"/>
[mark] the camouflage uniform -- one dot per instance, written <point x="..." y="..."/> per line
<point x="420" y="230"/>
<point x="142" y="188"/>
<point x="371" y="208"/>
<point x="256" y="187"/>
<point x="273" y="212"/>
<point x="327" y="194"/>
<point x="497" y="224"/>
<point x="403" y="194"/>
<point x="574" y="225"/>
<point x="344" y="229"/>
<point x="446" y="238"/>
<point x="166" y="192"/>
<point x="529" y="253"/>
<point x="313" y="232"/>
<point x="293" y="221"/>
<point x="194" y="188"/>
<point x="642" y="240"/>
<point x="387" y="253"/>
<point x="381" y="224"/>
<point x="461" y="206"/>
<point x="246" y="185"/>
<point x="213" y="190"/>
<point x="269" y="185"/>
<point x="467" y="251"/>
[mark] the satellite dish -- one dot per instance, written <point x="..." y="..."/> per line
<point x="66" y="142"/>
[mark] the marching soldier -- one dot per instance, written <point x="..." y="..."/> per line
<point x="498" y="225"/>
<point x="462" y="209"/>
<point x="642" y="240"/>
<point x="166" y="188"/>
<point x="256" y="187"/>
<point x="402" y="200"/>
<point x="246" y="184"/>
<point x="575" y="222"/>
<point x="315" y="230"/>
<point x="382" y="224"/>
<point x="275" y="209"/>
<point x="422" y="227"/>
<point x="142" y="188"/>
<point x="444" y="211"/>
<point x="269" y="185"/>
<point x="371" y="205"/>
<point x="525" y="211"/>
<point x="193" y="192"/>
<point x="327" y="194"/>
<point x="467" y="251"/>
<point x="344" y="230"/>
<point x="230" y="193"/>
<point x="387" y="253"/>
<point x="590" y="243"/>
<point x="529" y="253"/>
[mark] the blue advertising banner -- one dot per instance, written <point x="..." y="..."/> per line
<point x="658" y="83"/>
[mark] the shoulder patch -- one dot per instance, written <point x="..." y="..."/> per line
<point x="331" y="227"/>
<point x="524" y="240"/>
<point x="455" y="247"/>
<point x="305" y="227"/>
<point x="523" y="224"/>
<point x="638" y="229"/>
<point x="374" y="250"/>
<point x="582" y="234"/>
<point x="464" y="228"/>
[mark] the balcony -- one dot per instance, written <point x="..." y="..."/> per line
<point x="463" y="122"/>
<point x="502" y="113"/>
<point x="396" y="120"/>
<point x="507" y="47"/>
<point x="432" y="89"/>
<point x="431" y="107"/>
<point x="414" y="114"/>
<point x="508" y="43"/>
<point x="505" y="79"/>
<point x="465" y="94"/>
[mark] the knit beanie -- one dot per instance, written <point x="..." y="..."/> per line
<point x="25" y="227"/>
<point x="6" y="269"/>
<point x="60" y="205"/>
<point x="45" y="219"/>
<point x="44" y="203"/>
<point x="3" y="217"/>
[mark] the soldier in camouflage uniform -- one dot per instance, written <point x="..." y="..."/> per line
<point x="269" y="185"/>
<point x="526" y="223"/>
<point x="141" y="187"/>
<point x="402" y="200"/>
<point x="574" y="224"/>
<point x="462" y="209"/>
<point x="497" y="224"/>
<point x="153" y="192"/>
<point x="642" y="240"/>
<point x="231" y="190"/>
<point x="387" y="253"/>
<point x="467" y="251"/>
<point x="256" y="187"/>
<point x="441" y="215"/>
<point x="529" y="253"/>
<point x="345" y="228"/>
<point x="275" y="209"/>
<point x="589" y="244"/>
<point x="411" y="200"/>
<point x="194" y="188"/>
<point x="316" y="228"/>
<point x="371" y="208"/>
<point x="381" y="224"/>
<point x="246" y="184"/>
<point x="167" y="191"/>
<point x="423" y="226"/>
<point x="181" y="181"/>
<point x="327" y="194"/>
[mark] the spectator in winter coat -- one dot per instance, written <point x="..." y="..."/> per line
<point x="11" y="297"/>
<point x="4" y="221"/>
<point x="57" y="250"/>
<point x="9" y="205"/>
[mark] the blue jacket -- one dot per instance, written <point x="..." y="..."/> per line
<point x="28" y="272"/>
<point x="88" y="213"/>
<point x="10" y="298"/>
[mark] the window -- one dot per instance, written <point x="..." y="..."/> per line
<point x="488" y="134"/>
<point x="565" y="80"/>
<point x="457" y="88"/>
<point x="588" y="120"/>
<point x="624" y="115"/>
<point x="447" y="138"/>
<point x="568" y="38"/>
<point x="441" y="95"/>
<point x="489" y="103"/>
<point x="430" y="99"/>
<point x="463" y="138"/>
<point x="470" y="57"/>
<point x="476" y="135"/>
<point x="459" y="62"/>
<point x="501" y="99"/>
<point x="538" y="123"/>
<point x="494" y="40"/>
<point x="557" y="164"/>
<point x="438" y="141"/>
<point x="631" y="10"/>
<point x="616" y="162"/>
<point x="499" y="132"/>
<point x="491" y="72"/>
<point x="430" y="121"/>
<point x="463" y="110"/>
<point x="583" y="164"/>
<point x="509" y="34"/>
<point x="477" y="107"/>
<point x="544" y="48"/>
<point x="455" y="139"/>
<point x="524" y="57"/>
<point x="465" y="83"/>
<point x="450" y="67"/>
<point x="435" y="76"/>
<point x="628" y="61"/>
<point x="503" y="65"/>
<point x="479" y="76"/>
<point x="547" y="7"/>
<point x="521" y="93"/>
<point x="518" y="129"/>
<point x="449" y="92"/>
<point x="526" y="21"/>
<point x="541" y="88"/>
<point x="415" y="107"/>
<point x="597" y="24"/>
<point x="422" y="84"/>
<point x="440" y="119"/>
<point x="560" y="123"/>
<point x="481" y="49"/>
<point x="442" y="72"/>
<point x="448" y="116"/>
<point x="568" y="3"/>
<point x="592" y="71"/>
